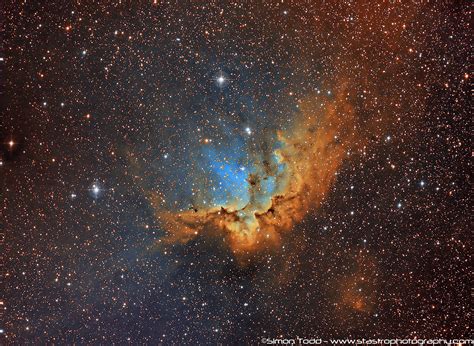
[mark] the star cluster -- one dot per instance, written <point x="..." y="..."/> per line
<point x="204" y="173"/>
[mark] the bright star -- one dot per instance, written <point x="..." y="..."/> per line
<point x="221" y="80"/>
<point x="95" y="190"/>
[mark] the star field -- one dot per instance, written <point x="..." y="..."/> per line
<point x="219" y="173"/>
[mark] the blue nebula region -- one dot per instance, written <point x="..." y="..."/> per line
<point x="235" y="177"/>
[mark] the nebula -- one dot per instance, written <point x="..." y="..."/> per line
<point x="282" y="183"/>
<point x="229" y="172"/>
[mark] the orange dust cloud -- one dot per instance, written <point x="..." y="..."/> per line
<point x="312" y="152"/>
<point x="358" y="290"/>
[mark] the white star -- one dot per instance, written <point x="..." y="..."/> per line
<point x="221" y="80"/>
<point x="95" y="190"/>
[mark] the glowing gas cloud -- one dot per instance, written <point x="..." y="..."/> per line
<point x="281" y="184"/>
